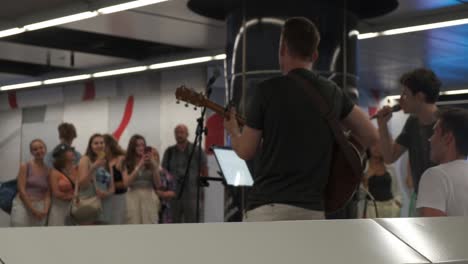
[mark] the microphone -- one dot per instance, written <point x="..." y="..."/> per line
<point x="395" y="108"/>
<point x="216" y="74"/>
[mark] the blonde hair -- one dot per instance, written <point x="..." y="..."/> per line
<point x="37" y="140"/>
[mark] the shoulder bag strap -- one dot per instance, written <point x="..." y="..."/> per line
<point x="93" y="179"/>
<point x="68" y="178"/>
<point x="330" y="116"/>
<point x="28" y="169"/>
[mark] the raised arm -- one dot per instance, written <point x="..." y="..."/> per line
<point x="86" y="169"/>
<point x="361" y="127"/>
<point x="391" y="150"/>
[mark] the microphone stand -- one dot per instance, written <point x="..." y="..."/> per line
<point x="200" y="130"/>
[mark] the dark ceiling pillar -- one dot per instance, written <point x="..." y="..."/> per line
<point x="253" y="31"/>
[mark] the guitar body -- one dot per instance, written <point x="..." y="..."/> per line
<point x="343" y="180"/>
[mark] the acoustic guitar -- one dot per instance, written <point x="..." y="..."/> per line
<point x="342" y="182"/>
<point x="198" y="99"/>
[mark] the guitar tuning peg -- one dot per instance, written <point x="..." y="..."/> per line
<point x="195" y="108"/>
<point x="186" y="105"/>
<point x="177" y="102"/>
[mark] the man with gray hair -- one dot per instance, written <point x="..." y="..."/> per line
<point x="175" y="160"/>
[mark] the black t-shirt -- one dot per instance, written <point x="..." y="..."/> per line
<point x="297" y="142"/>
<point x="415" y="137"/>
<point x="380" y="186"/>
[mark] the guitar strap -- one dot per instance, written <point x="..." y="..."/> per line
<point x="329" y="114"/>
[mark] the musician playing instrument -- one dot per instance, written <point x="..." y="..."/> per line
<point x="420" y="91"/>
<point x="297" y="142"/>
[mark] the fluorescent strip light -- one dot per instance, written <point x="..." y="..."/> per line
<point x="79" y="16"/>
<point x="426" y="27"/>
<point x="116" y="72"/>
<point x="219" y="57"/>
<point x="368" y="35"/>
<point x="180" y="63"/>
<point x="353" y="33"/>
<point x="129" y="5"/>
<point x="20" y="85"/>
<point x="13" y="31"/>
<point x="68" y="79"/>
<point x="393" y="97"/>
<point x="120" y="71"/>
<point x="61" y="20"/>
<point x="454" y="92"/>
<point x="271" y="20"/>
<point x="414" y="28"/>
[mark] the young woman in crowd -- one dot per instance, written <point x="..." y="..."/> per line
<point x="31" y="205"/>
<point x="95" y="176"/>
<point x="115" y="157"/>
<point x="142" y="201"/>
<point x="378" y="181"/>
<point x="166" y="192"/>
<point x="62" y="181"/>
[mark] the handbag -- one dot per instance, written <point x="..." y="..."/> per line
<point x="8" y="192"/>
<point x="85" y="209"/>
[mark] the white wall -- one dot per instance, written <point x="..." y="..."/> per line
<point x="47" y="131"/>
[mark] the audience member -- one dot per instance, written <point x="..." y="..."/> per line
<point x="62" y="184"/>
<point x="166" y="192"/>
<point x="95" y="177"/>
<point x="32" y="203"/>
<point x="115" y="157"/>
<point x="378" y="182"/>
<point x="443" y="189"/>
<point x="175" y="160"/>
<point x="143" y="203"/>
<point x="67" y="133"/>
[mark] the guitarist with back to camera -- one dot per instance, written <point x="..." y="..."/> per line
<point x="298" y="141"/>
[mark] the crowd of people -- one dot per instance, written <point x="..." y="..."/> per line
<point x="106" y="185"/>
<point x="297" y="148"/>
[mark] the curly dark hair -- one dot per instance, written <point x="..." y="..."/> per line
<point x="422" y="80"/>
<point x="67" y="131"/>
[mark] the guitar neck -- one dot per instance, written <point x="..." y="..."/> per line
<point x="220" y="111"/>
